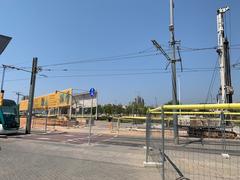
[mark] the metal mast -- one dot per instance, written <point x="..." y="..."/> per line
<point x="173" y="67"/>
<point x="172" y="60"/>
<point x="226" y="89"/>
<point x="31" y="95"/>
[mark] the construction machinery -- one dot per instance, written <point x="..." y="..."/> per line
<point x="226" y="89"/>
<point x="205" y="126"/>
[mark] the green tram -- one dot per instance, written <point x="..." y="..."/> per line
<point x="9" y="117"/>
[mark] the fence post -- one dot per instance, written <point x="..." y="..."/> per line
<point x="54" y="124"/>
<point x="33" y="123"/>
<point x="118" y="125"/>
<point x="46" y="121"/>
<point x="163" y="145"/>
<point x="223" y="128"/>
<point x="147" y="136"/>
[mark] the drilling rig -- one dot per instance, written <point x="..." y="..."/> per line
<point x="213" y="128"/>
<point x="226" y="89"/>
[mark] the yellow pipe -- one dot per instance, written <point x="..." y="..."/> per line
<point x="156" y="109"/>
<point x="185" y="113"/>
<point x="232" y="113"/>
<point x="203" y="106"/>
<point x="133" y="117"/>
<point x="198" y="113"/>
<point x="198" y="106"/>
<point x="188" y="113"/>
<point x="237" y="120"/>
<point x="170" y="119"/>
<point x="140" y="118"/>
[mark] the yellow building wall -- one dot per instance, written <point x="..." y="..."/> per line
<point x="53" y="100"/>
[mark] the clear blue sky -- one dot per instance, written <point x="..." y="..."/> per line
<point x="62" y="31"/>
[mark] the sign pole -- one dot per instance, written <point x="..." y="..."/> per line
<point x="90" y="123"/>
<point x="91" y="92"/>
<point x="96" y="113"/>
<point x="70" y="108"/>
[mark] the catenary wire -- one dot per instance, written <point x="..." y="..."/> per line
<point x="111" y="74"/>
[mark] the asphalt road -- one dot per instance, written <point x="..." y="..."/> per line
<point x="208" y="146"/>
<point x="67" y="156"/>
<point x="64" y="137"/>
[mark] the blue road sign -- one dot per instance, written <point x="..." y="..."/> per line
<point x="92" y="92"/>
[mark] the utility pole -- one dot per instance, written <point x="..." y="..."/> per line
<point x="226" y="89"/>
<point x="4" y="70"/>
<point x="172" y="60"/>
<point x="2" y="91"/>
<point x="3" y="76"/>
<point x="173" y="67"/>
<point x="18" y="95"/>
<point x="31" y="95"/>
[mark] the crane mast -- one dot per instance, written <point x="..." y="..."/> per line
<point x="226" y="89"/>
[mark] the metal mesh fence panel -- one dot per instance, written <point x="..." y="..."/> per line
<point x="115" y="125"/>
<point x="46" y="124"/>
<point x="154" y="140"/>
<point x="209" y="147"/>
